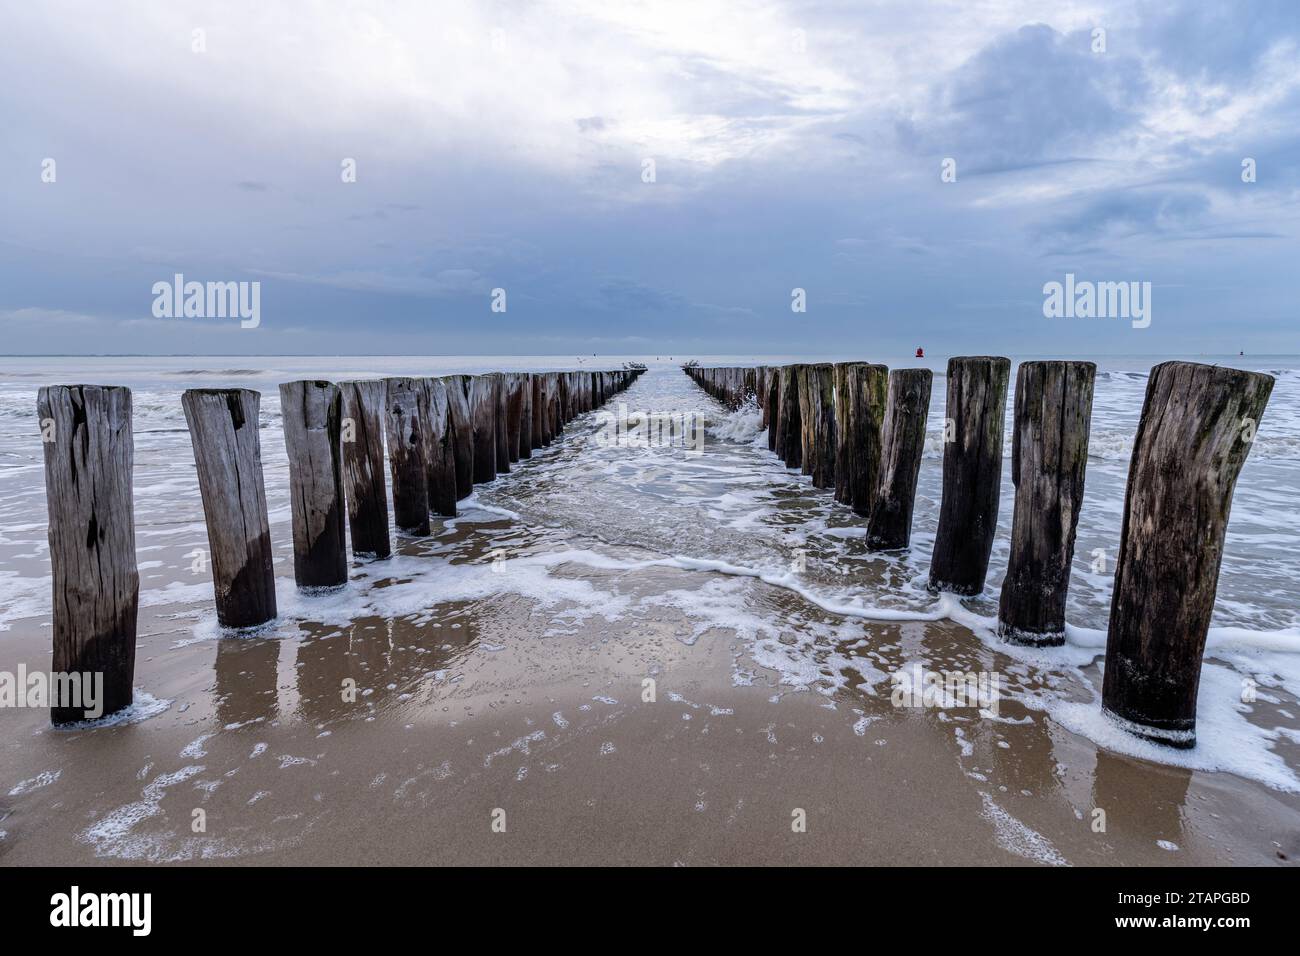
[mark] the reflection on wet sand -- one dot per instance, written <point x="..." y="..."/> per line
<point x="502" y="663"/>
<point x="247" y="680"/>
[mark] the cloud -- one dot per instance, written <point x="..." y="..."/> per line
<point x="1028" y="99"/>
<point x="796" y="143"/>
<point x="1125" y="215"/>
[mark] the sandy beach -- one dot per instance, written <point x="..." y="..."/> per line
<point x="528" y="686"/>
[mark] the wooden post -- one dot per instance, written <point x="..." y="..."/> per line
<point x="363" y="467"/>
<point x="512" y="382"/>
<point x="972" y="473"/>
<point x="558" y="399"/>
<point x="439" y="447"/>
<point x="525" y="387"/>
<point x="501" y="414"/>
<point x="89" y="450"/>
<point x="223" y="427"/>
<point x="406" y="455"/>
<point x="1049" y="455"/>
<point x="861" y="391"/>
<point x="789" y="441"/>
<point x="817" y="419"/>
<point x="483" y="408"/>
<point x="540" y="435"/>
<point x="312" y="416"/>
<point x="902" y="443"/>
<point x="564" y="417"/>
<point x="462" y="429"/>
<point x="1197" y="425"/>
<point x="772" y="417"/>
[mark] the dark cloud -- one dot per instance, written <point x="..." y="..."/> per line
<point x="1032" y="96"/>
<point x="1127" y="214"/>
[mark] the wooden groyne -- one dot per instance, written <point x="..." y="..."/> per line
<point x="1196" y="429"/>
<point x="224" y="431"/>
<point x="88" y="449"/>
<point x="443" y="435"/>
<point x="1197" y="426"/>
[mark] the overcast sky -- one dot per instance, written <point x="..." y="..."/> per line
<point x="504" y="145"/>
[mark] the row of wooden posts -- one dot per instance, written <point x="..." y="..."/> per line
<point x="860" y="429"/>
<point x="444" y="435"/>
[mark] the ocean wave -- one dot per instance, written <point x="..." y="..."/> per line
<point x="743" y="424"/>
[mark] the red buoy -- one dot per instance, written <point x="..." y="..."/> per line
<point x="920" y="352"/>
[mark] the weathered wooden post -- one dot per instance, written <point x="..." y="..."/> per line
<point x="540" y="435"/>
<point x="861" y="390"/>
<point x="513" y="385"/>
<point x="483" y="409"/>
<point x="558" y="402"/>
<point x="902" y="443"/>
<point x="1197" y="425"/>
<point x="1049" y="455"/>
<point x="525" y="387"/>
<point x="789" y="440"/>
<point x="439" y="447"/>
<point x="363" y="467"/>
<point x="817" y="419"/>
<point x="404" y="430"/>
<point x="565" y="400"/>
<point x="972" y="473"/>
<point x="223" y="427"/>
<point x="312" y="415"/>
<point x="500" y="417"/>
<point x="462" y="430"/>
<point x="89" y="451"/>
<point x="772" y="416"/>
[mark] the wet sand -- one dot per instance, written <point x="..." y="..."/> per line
<point x="470" y="711"/>
<point x="499" y="667"/>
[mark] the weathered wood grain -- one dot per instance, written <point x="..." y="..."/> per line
<point x="861" y="391"/>
<point x="817" y="423"/>
<point x="311" y="413"/>
<point x="902" y="441"/>
<point x="1049" y="458"/>
<point x="972" y="473"/>
<point x="223" y="424"/>
<point x="404" y="430"/>
<point x="89" y="450"/>
<point x="512" y="382"/>
<point x="483" y="408"/>
<point x="461" y="422"/>
<point x="501" y="419"/>
<point x="789" y="441"/>
<point x="1197" y="425"/>
<point x="363" y="467"/>
<point x="439" y="447"/>
<point x="540" y="434"/>
<point x="772" y="416"/>
<point x="525" y="386"/>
